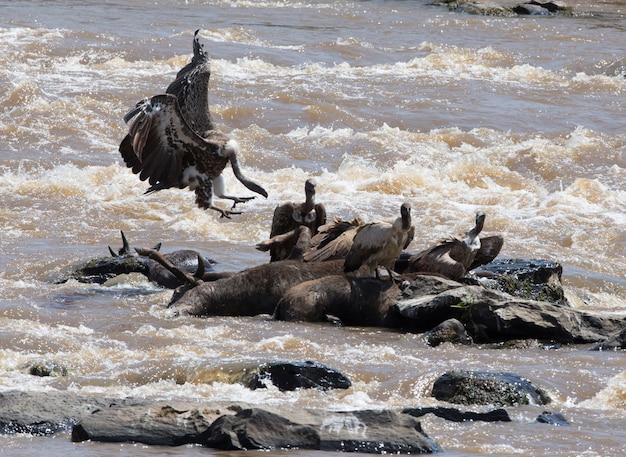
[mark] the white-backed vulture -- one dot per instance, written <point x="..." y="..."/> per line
<point x="173" y="142"/>
<point x="453" y="257"/>
<point x="287" y="219"/>
<point x="379" y="243"/>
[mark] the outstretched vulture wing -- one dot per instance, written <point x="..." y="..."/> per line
<point x="160" y="143"/>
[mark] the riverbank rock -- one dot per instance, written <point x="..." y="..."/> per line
<point x="485" y="388"/>
<point x="284" y="375"/>
<point x="537" y="7"/>
<point x="256" y="428"/>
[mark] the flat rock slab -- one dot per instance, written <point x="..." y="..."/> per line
<point x="222" y="425"/>
<point x="456" y="415"/>
<point x="378" y="432"/>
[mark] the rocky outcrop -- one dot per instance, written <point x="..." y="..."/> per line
<point x="490" y="315"/>
<point x="541" y="8"/>
<point x="489" y="8"/>
<point x="256" y="428"/>
<point x="485" y="388"/>
<point x="239" y="426"/>
<point x="223" y="425"/>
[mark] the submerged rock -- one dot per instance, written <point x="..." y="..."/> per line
<point x="551" y="418"/>
<point x="485" y="388"/>
<point x="43" y="369"/>
<point x="456" y="415"/>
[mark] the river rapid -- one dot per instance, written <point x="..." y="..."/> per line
<point x="383" y="102"/>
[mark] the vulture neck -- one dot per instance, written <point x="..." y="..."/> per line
<point x="472" y="241"/>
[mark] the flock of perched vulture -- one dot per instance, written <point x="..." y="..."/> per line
<point x="172" y="141"/>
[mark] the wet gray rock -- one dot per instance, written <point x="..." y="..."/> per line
<point x="613" y="343"/>
<point x="489" y="8"/>
<point x="533" y="279"/>
<point x="493" y="316"/>
<point x="379" y="432"/>
<point x="256" y="428"/>
<point x="374" y="432"/>
<point x="485" y="388"/>
<point x="153" y="423"/>
<point x="449" y="331"/>
<point x="298" y="375"/>
<point x="483" y="8"/>
<point x="550" y="418"/>
<point x="223" y="425"/>
<point x="552" y="7"/>
<point x="532" y="10"/>
<point x="43" y="413"/>
<point x="456" y="415"/>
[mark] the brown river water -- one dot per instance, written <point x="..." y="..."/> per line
<point x="382" y="102"/>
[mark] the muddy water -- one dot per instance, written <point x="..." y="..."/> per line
<point x="383" y="102"/>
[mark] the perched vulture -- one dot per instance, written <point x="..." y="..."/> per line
<point x="379" y="243"/>
<point x="172" y="140"/>
<point x="453" y="257"/>
<point x="333" y="240"/>
<point x="287" y="220"/>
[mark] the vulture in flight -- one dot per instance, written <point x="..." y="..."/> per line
<point x="173" y="142"/>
